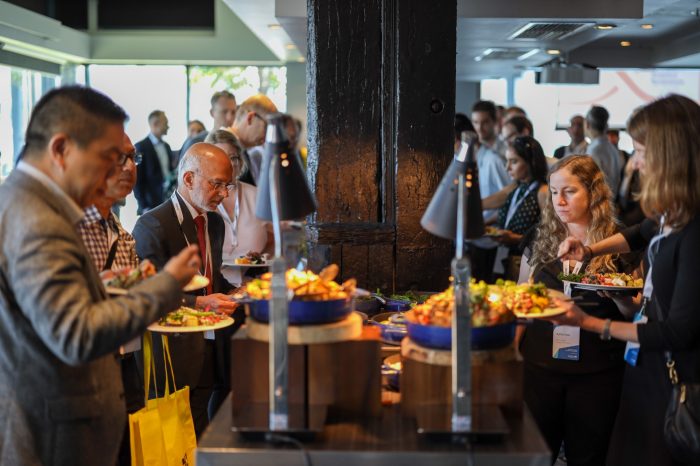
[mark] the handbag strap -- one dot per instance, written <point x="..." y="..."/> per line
<point x="167" y="360"/>
<point x="670" y="363"/>
<point x="149" y="365"/>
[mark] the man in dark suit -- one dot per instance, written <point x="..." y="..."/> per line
<point x="61" y="394"/>
<point x="156" y="172"/>
<point x="189" y="217"/>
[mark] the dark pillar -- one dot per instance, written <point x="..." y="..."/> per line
<point x="381" y="90"/>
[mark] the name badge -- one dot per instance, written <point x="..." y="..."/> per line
<point x="566" y="342"/>
<point x="632" y="348"/>
<point x="209" y="335"/>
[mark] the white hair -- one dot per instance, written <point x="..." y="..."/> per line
<point x="188" y="163"/>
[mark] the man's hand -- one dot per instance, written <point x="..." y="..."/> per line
<point x="571" y="249"/>
<point x="216" y="302"/>
<point x="185" y="265"/>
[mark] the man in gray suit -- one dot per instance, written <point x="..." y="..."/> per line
<point x="61" y="396"/>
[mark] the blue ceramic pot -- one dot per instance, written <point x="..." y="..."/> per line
<point x="392" y="328"/>
<point x="483" y="338"/>
<point x="391" y="375"/>
<point x="304" y="312"/>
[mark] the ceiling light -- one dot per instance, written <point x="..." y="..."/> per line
<point x="625" y="43"/>
<point x="554" y="52"/>
<point x="528" y="54"/>
<point x="647" y="26"/>
<point x="274" y="26"/>
<point x="290" y="46"/>
<point x="605" y="26"/>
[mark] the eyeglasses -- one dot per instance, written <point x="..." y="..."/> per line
<point x="262" y="118"/>
<point x="135" y="157"/>
<point x="219" y="185"/>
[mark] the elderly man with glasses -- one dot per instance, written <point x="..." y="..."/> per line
<point x="205" y="178"/>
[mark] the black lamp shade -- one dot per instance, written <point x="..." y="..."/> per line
<point x="440" y="218"/>
<point x="296" y="200"/>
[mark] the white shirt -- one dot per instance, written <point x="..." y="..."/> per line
<point x="162" y="153"/>
<point x="193" y="212"/>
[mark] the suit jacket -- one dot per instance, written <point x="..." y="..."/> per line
<point x="148" y="189"/>
<point x="61" y="396"/>
<point x="159" y="236"/>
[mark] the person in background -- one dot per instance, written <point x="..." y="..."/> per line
<point x="249" y="126"/>
<point x="205" y="178"/>
<point x="156" y="174"/>
<point x="223" y="111"/>
<point x="244" y="231"/>
<point x="605" y="154"/>
<point x="62" y="395"/>
<point x="578" y="144"/>
<point x="516" y="126"/>
<point x="572" y="379"/>
<point x="194" y="127"/>
<point x="493" y="177"/>
<point x="666" y="136"/>
<point x="500" y="113"/>
<point x="464" y="130"/>
<point x="512" y="111"/>
<point x="111" y="247"/>
<point x="527" y="166"/>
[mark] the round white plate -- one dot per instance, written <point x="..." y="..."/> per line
<point x="112" y="290"/>
<point x="550" y="311"/>
<point x="247" y="266"/>
<point x="592" y="287"/>
<point x="204" y="328"/>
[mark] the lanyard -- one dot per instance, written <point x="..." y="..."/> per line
<point x="232" y="222"/>
<point x="565" y="269"/>
<point x="514" y="205"/>
<point x="180" y="219"/>
<point x="652" y="250"/>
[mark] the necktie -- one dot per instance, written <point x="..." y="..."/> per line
<point x="201" y="239"/>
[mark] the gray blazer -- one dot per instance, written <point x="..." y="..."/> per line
<point x="61" y="395"/>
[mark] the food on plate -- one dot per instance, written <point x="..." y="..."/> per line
<point x="127" y="277"/>
<point x="490" y="304"/>
<point x="605" y="279"/>
<point x="491" y="231"/>
<point x="188" y="317"/>
<point x="252" y="258"/>
<point x="306" y="285"/>
<point x="394" y="365"/>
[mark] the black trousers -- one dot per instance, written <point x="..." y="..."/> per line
<point x="578" y="409"/>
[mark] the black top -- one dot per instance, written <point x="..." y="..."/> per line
<point x="525" y="217"/>
<point x="595" y="354"/>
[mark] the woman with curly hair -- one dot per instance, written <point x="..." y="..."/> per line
<point x="667" y="133"/>
<point x="572" y="378"/>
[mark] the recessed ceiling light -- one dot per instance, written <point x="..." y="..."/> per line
<point x="528" y="54"/>
<point x="605" y="26"/>
<point x="647" y="26"/>
<point x="290" y="46"/>
<point x="553" y="51"/>
<point x="625" y="43"/>
<point x="274" y="26"/>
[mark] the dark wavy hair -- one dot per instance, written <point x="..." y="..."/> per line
<point x="531" y="152"/>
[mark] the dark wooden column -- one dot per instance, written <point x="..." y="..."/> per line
<point x="381" y="89"/>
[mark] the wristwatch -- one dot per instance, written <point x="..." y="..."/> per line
<point x="605" y="335"/>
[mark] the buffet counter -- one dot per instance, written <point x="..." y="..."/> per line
<point x="388" y="439"/>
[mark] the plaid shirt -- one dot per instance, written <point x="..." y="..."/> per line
<point x="93" y="231"/>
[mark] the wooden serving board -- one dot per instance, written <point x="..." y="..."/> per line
<point x="347" y="329"/>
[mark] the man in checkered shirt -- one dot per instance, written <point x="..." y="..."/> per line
<point x="101" y="231"/>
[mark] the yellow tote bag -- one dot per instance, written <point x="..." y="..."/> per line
<point x="162" y="433"/>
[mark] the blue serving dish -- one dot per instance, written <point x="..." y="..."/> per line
<point x="483" y="338"/>
<point x="369" y="305"/>
<point x="391" y="375"/>
<point x="397" y="305"/>
<point x="304" y="312"/>
<point x="391" y="325"/>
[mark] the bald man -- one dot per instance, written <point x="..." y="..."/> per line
<point x="189" y="217"/>
<point x="250" y="126"/>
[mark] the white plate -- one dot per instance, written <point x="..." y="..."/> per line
<point x="247" y="266"/>
<point x="592" y="287"/>
<point x="197" y="282"/>
<point x="550" y="311"/>
<point x="204" y="328"/>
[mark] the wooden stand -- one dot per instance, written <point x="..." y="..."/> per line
<point x="333" y="370"/>
<point x="497" y="378"/>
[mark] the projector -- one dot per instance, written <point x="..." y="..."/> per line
<point x="565" y="73"/>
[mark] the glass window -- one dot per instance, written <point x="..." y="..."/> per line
<point x="20" y="89"/>
<point x="242" y="81"/>
<point x="495" y="90"/>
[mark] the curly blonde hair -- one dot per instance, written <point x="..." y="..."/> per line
<point x="551" y="231"/>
